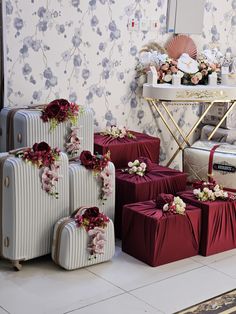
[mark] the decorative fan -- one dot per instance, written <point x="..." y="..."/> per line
<point x="181" y="44"/>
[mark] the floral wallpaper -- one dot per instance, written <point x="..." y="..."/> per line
<point x="83" y="51"/>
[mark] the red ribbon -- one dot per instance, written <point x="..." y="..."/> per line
<point x="210" y="163"/>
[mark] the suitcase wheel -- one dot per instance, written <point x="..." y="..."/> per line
<point x="16" y="265"/>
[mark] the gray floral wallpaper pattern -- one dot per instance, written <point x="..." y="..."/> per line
<point x="82" y="50"/>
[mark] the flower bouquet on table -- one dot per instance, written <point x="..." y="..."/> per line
<point x="190" y="71"/>
<point x="94" y="223"/>
<point x="211" y="191"/>
<point x="171" y="204"/>
<point x="43" y="157"/>
<point x="98" y="164"/>
<point x="117" y="132"/>
<point x="59" y="111"/>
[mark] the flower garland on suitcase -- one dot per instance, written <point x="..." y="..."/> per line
<point x="94" y="223"/>
<point x="99" y="165"/>
<point x="44" y="157"/>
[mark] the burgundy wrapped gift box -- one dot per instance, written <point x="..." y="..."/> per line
<point x="127" y="149"/>
<point x="157" y="238"/>
<point x="133" y="188"/>
<point x="218" y="224"/>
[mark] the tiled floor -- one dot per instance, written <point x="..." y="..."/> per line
<point x="123" y="285"/>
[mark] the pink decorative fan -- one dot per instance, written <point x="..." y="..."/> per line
<point x="181" y="44"/>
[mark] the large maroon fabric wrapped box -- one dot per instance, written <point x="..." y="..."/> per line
<point x="157" y="238"/>
<point x="133" y="188"/>
<point x="218" y="224"/>
<point x="127" y="149"/>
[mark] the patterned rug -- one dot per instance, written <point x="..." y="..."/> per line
<point x="222" y="304"/>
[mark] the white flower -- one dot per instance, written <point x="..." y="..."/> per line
<point x="196" y="191"/>
<point x="136" y="162"/>
<point x="143" y="165"/>
<point x="166" y="207"/>
<point x="167" y="78"/>
<point x="130" y="164"/>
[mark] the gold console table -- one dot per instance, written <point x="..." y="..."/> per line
<point x="160" y="94"/>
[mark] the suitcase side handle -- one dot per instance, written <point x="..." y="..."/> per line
<point x="78" y="211"/>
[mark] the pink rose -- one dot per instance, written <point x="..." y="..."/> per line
<point x="195" y="80"/>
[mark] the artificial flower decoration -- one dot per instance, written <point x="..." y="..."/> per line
<point x="137" y="167"/>
<point x="117" y="132"/>
<point x="210" y="191"/>
<point x="99" y="165"/>
<point x="73" y="145"/>
<point x="191" y="71"/>
<point x="60" y="110"/>
<point x="171" y="204"/>
<point x="94" y="223"/>
<point x="44" y="157"/>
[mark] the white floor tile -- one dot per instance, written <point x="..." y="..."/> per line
<point x="125" y="304"/>
<point x="42" y="287"/>
<point x="129" y="273"/>
<point x="227" y="266"/>
<point x="187" y="289"/>
<point x="2" y="311"/>
<point x="206" y="260"/>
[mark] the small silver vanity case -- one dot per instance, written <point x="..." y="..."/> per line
<point x="70" y="244"/>
<point x="27" y="213"/>
<point x="24" y="127"/>
<point x="223" y="160"/>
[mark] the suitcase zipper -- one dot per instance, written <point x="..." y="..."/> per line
<point x="58" y="239"/>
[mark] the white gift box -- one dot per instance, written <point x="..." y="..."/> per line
<point x="221" y="135"/>
<point x="196" y="161"/>
<point x="215" y="114"/>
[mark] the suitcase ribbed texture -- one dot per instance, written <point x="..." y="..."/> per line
<point x="29" y="213"/>
<point x="72" y="247"/>
<point x="3" y="129"/>
<point x="29" y="129"/>
<point x="85" y="189"/>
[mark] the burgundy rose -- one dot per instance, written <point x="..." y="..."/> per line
<point x="163" y="199"/>
<point x="53" y="109"/>
<point x="91" y="212"/>
<point x="41" y="147"/>
<point x="87" y="159"/>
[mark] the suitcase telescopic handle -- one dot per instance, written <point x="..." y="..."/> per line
<point x="78" y="211"/>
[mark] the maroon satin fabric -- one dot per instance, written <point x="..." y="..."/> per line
<point x="126" y="149"/>
<point x="218" y="224"/>
<point x="133" y="188"/>
<point x="157" y="238"/>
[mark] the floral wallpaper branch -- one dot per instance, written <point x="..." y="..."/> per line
<point x="83" y="51"/>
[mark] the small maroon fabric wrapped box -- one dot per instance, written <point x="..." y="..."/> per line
<point x="133" y="188"/>
<point x="127" y="149"/>
<point x="157" y="238"/>
<point x="218" y="224"/>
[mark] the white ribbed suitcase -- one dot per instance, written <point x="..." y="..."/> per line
<point x="70" y="245"/>
<point x="28" y="128"/>
<point x="85" y="188"/>
<point x="27" y="213"/>
<point x="196" y="161"/>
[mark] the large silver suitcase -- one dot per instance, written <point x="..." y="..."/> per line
<point x="24" y="127"/>
<point x="27" y="213"/>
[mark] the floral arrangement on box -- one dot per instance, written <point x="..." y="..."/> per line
<point x="190" y="71"/>
<point x="117" y="132"/>
<point x="99" y="165"/>
<point x="60" y="110"/>
<point x="171" y="204"/>
<point x="210" y="191"/>
<point x="94" y="223"/>
<point x="136" y="167"/>
<point x="44" y="157"/>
